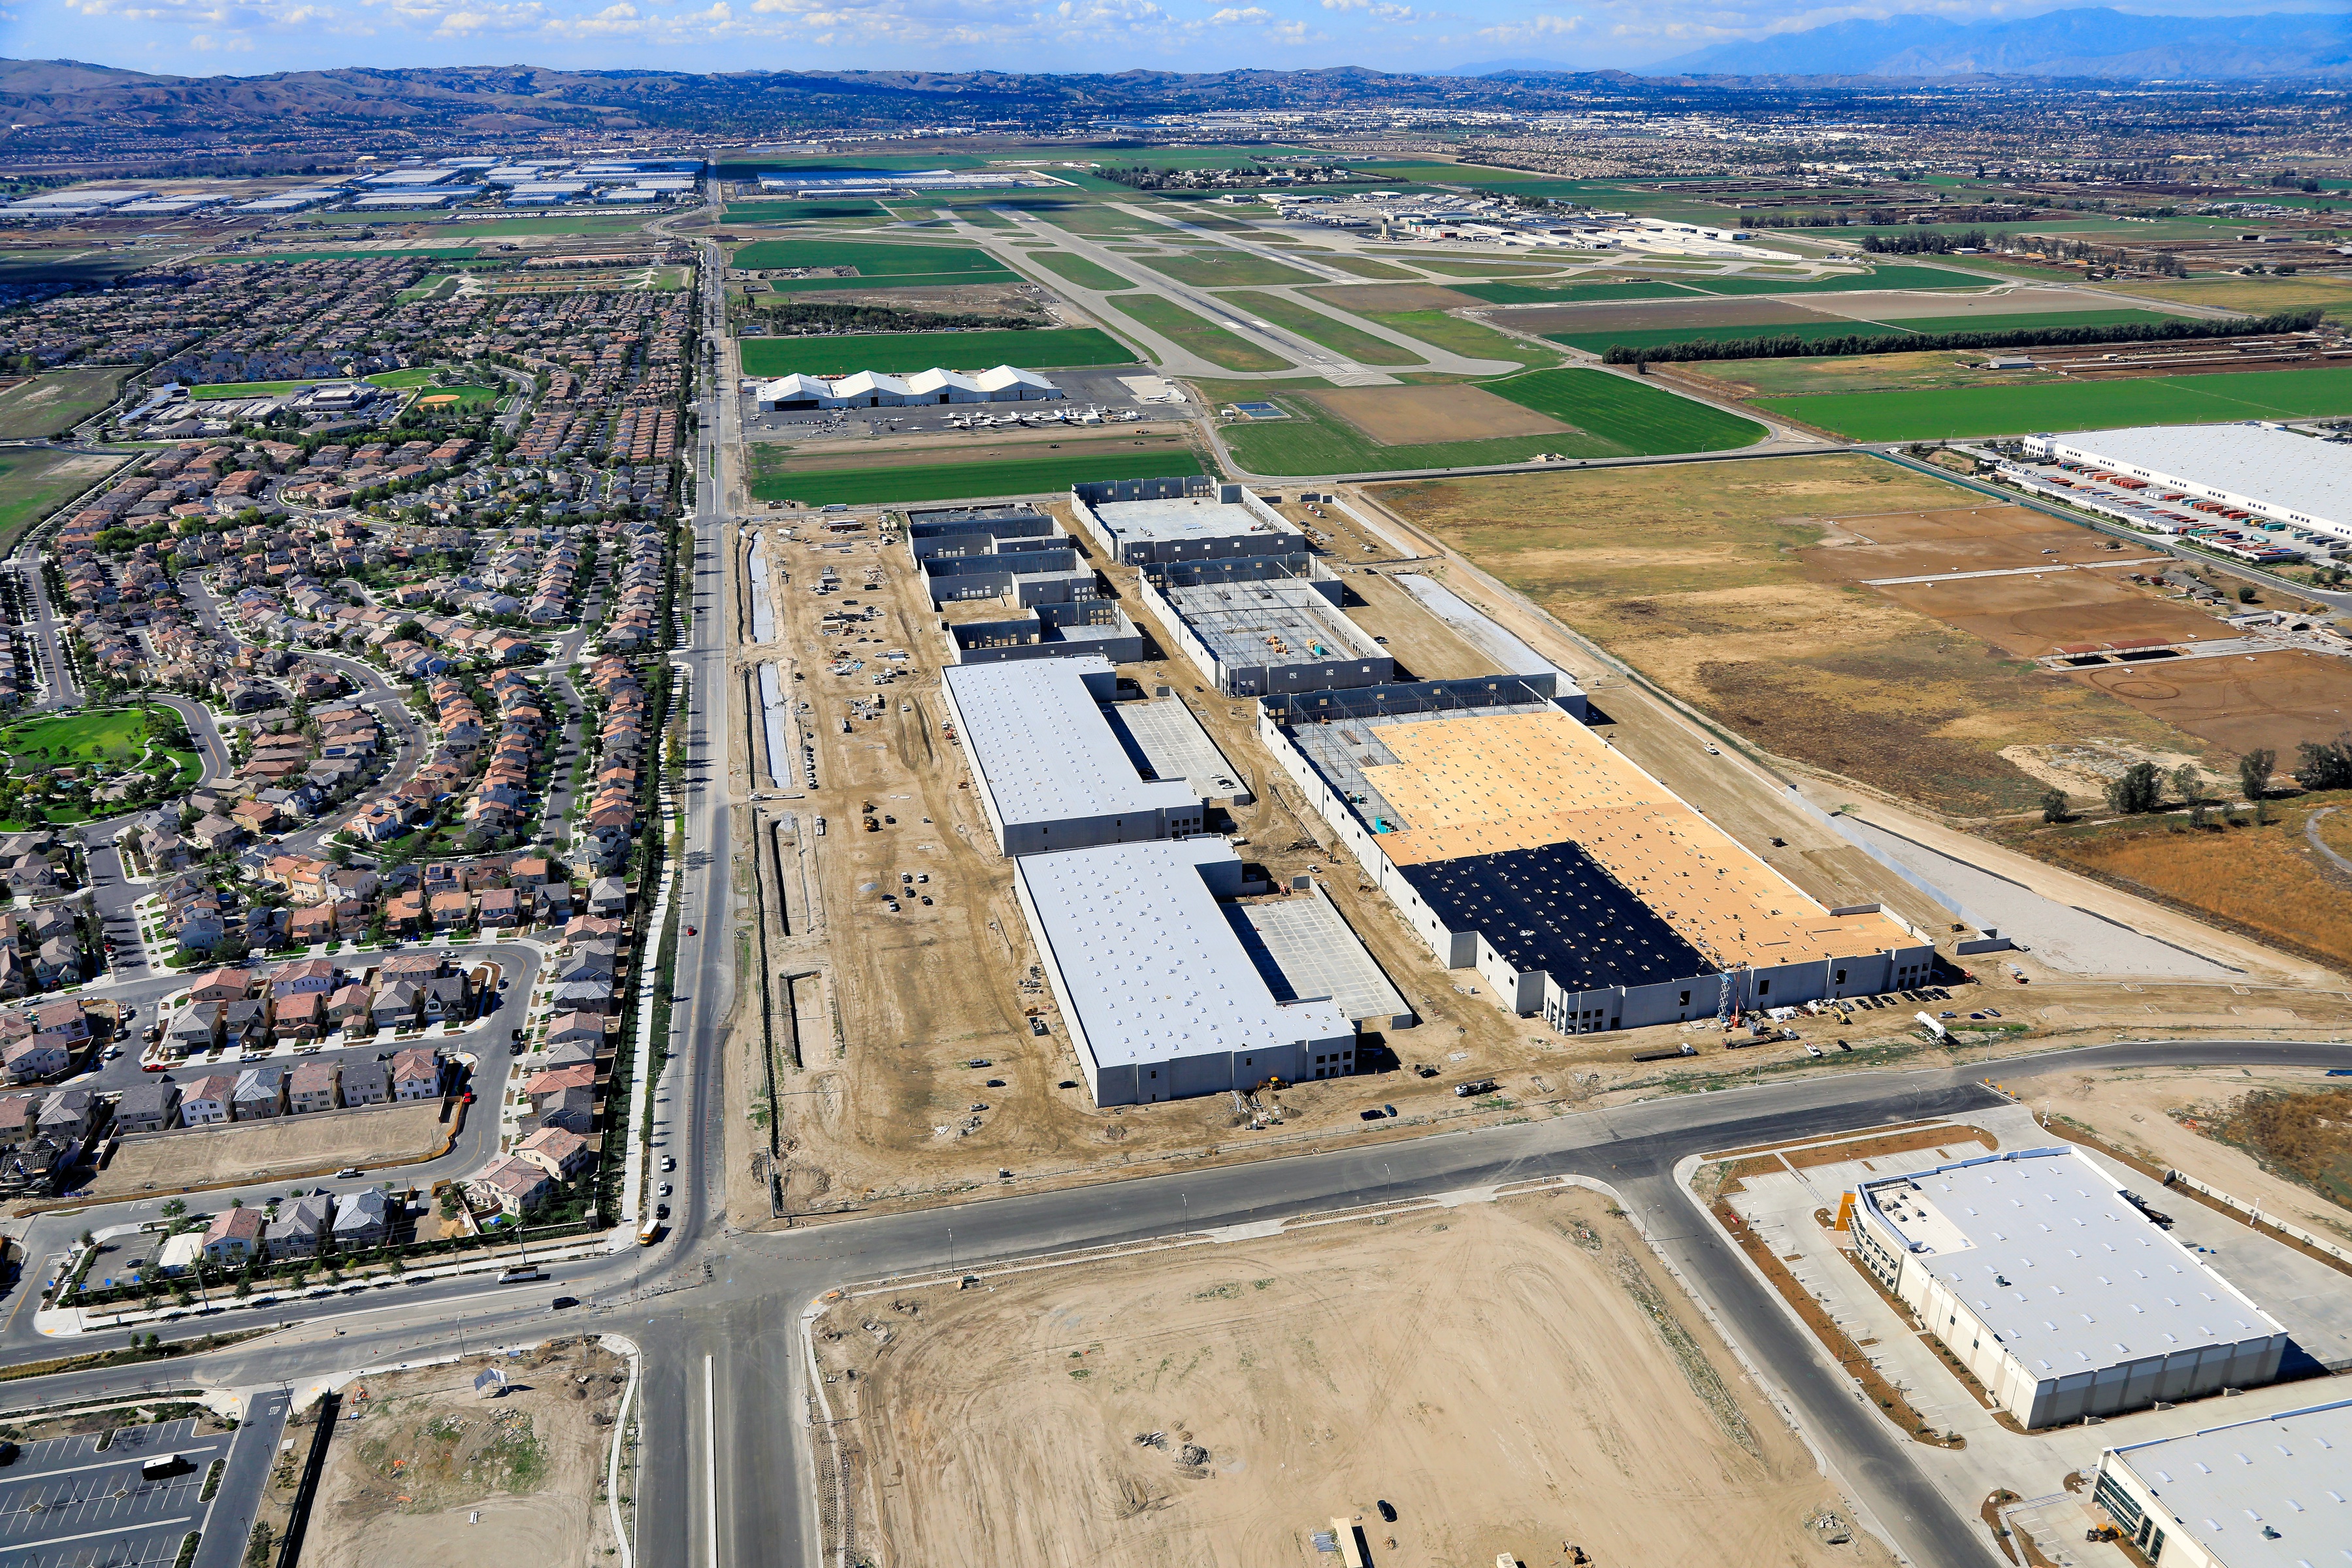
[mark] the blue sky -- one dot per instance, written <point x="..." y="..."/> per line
<point x="250" y="37"/>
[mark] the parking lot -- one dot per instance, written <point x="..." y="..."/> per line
<point x="66" y="1504"/>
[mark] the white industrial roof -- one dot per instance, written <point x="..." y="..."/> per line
<point x="2288" y="1473"/>
<point x="1147" y="959"/>
<point x="2287" y="471"/>
<point x="1180" y="518"/>
<point x="1041" y="748"/>
<point x="2040" y="1244"/>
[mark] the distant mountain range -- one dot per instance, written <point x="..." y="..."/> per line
<point x="2085" y="43"/>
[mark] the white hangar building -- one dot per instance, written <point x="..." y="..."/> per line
<point x="2286" y="478"/>
<point x="870" y="389"/>
<point x="2264" y="1493"/>
<point x="1161" y="999"/>
<point x="2064" y="1299"/>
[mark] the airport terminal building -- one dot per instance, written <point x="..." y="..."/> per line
<point x="2061" y="1297"/>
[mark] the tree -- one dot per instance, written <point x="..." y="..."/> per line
<point x="2140" y="789"/>
<point x="2187" y="784"/>
<point x="2053" y="805"/>
<point x="2254" y="770"/>
<point x="2326" y="764"/>
<point x="2245" y="594"/>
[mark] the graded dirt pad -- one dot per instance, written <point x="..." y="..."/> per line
<point x="1508" y="1377"/>
<point x="1412" y="416"/>
<point x="1622" y="315"/>
<point x="1425" y="648"/>
<point x="431" y="1473"/>
<point x="1371" y="297"/>
<point x="2034" y="617"/>
<point x="2166" y="1116"/>
<point x="286" y="1146"/>
<point x="1701" y="576"/>
<point x="2239" y="701"/>
<point x="1957" y="539"/>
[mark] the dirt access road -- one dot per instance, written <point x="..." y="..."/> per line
<point x="1514" y="1377"/>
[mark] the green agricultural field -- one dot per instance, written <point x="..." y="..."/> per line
<point x="1615" y="416"/>
<point x="1571" y="293"/>
<point x="1182" y="327"/>
<point x="1365" y="267"/>
<point x="1313" y="324"/>
<point x="55" y="402"/>
<point x="871" y="260"/>
<point x="1086" y="274"/>
<point x="951" y="481"/>
<point x="36" y="480"/>
<point x="897" y="353"/>
<point x="1455" y="335"/>
<point x="1898" y="276"/>
<point x="2076" y="405"/>
<point x="1537" y="266"/>
<point x="869" y="284"/>
<point x="1222" y="269"/>
<point x="1816" y="331"/>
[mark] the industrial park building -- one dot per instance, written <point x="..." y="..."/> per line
<point x="1251" y="634"/>
<point x="871" y="389"/>
<point x="1161" y="998"/>
<point x="2270" y="1492"/>
<point x="1142" y="522"/>
<point x="1516" y="841"/>
<point x="2058" y="1294"/>
<point x="1068" y="630"/>
<point x="2298" y="481"/>
<point x="1051" y="772"/>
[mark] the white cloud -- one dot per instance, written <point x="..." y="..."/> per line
<point x="1533" y="29"/>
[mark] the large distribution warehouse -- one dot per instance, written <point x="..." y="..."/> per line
<point x="2059" y="1295"/>
<point x="2265" y="1493"/>
<point x="2295" y="480"/>
<point x="1143" y="523"/>
<point x="1516" y="841"/>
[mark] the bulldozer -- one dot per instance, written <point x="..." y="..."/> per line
<point x="2102" y="1532"/>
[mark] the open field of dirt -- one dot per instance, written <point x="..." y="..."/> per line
<point x="286" y="1146"/>
<point x="1703" y="578"/>
<point x="2164" y="1116"/>
<point x="926" y="448"/>
<point x="432" y="1473"/>
<point x="1420" y="416"/>
<point x="1954" y="539"/>
<point x="2034" y="617"/>
<point x="1897" y="307"/>
<point x="1294" y="1379"/>
<point x="2238" y="703"/>
<point x="1423" y="646"/>
<point x="1367" y="298"/>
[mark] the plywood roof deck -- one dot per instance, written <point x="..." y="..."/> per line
<point x="1485" y="784"/>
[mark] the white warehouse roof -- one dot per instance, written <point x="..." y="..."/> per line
<point x="1151" y="967"/>
<point x="2041" y="1246"/>
<point x="2286" y="472"/>
<point x="2288" y="1473"/>
<point x="1042" y="748"/>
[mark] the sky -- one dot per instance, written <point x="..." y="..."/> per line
<point x="244" y="38"/>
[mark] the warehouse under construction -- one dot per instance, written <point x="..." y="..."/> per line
<point x="1519" y="842"/>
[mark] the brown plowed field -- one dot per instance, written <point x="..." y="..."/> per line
<point x="1410" y="415"/>
<point x="1624" y="315"/>
<point x="2275" y="700"/>
<point x="1363" y="298"/>
<point x="2032" y="617"/>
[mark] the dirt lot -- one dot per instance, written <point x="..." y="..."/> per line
<point x="924" y="449"/>
<point x="1706" y="581"/>
<point x="1407" y="415"/>
<point x="431" y="1473"/>
<point x="1954" y="539"/>
<point x="1897" y="307"/>
<point x="287" y="1146"/>
<point x="1312" y="1376"/>
<point x="2163" y="1115"/>
<point x="2036" y="615"/>
<point x="1372" y="298"/>
<point x="1425" y="648"/>
<point x="2275" y="700"/>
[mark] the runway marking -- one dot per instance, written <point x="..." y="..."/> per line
<point x="710" y="1457"/>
